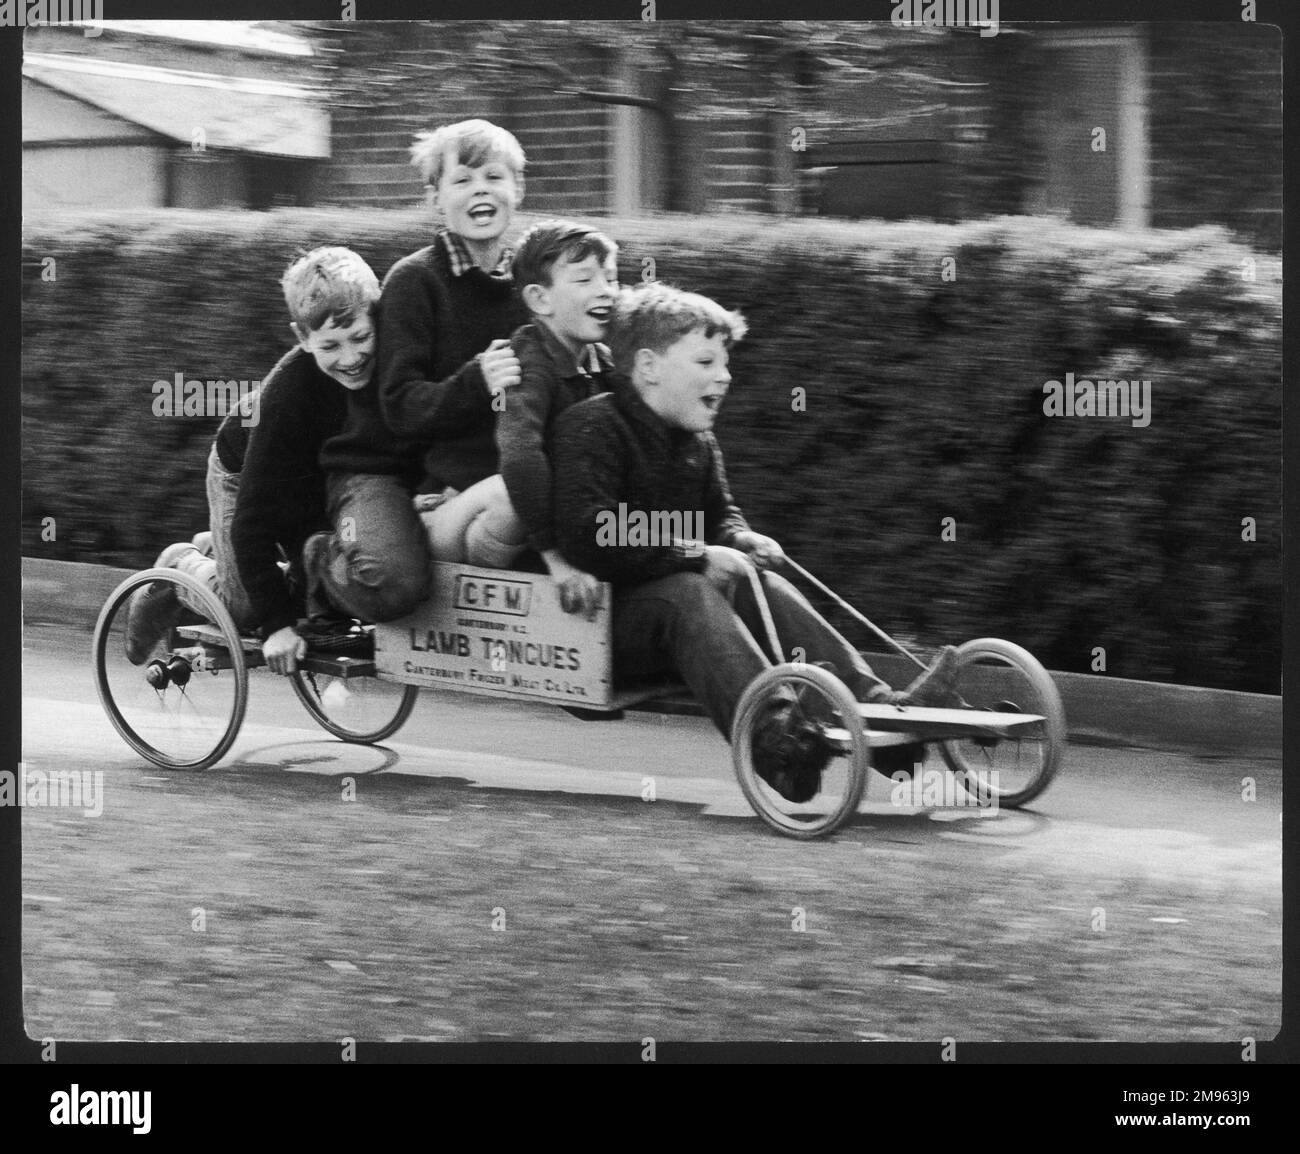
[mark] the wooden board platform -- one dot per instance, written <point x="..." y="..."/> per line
<point x="485" y="628"/>
<point x="935" y="724"/>
<point x="326" y="664"/>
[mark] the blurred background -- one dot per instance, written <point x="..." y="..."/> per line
<point x="922" y="227"/>
<point x="858" y="120"/>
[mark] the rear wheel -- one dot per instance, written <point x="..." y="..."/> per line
<point x="825" y="702"/>
<point x="360" y="709"/>
<point x="1007" y="771"/>
<point x="181" y="707"/>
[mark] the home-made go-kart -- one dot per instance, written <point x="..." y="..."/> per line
<point x="504" y="634"/>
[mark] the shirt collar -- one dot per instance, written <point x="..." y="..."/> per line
<point x="591" y="360"/>
<point x="458" y="256"/>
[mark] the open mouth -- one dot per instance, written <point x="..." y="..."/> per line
<point x="357" y="374"/>
<point x="713" y="402"/>
<point x="600" y="314"/>
<point x="482" y="213"/>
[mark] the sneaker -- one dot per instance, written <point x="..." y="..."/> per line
<point x="153" y="609"/>
<point x="789" y="753"/>
<point x="203" y="542"/>
<point x="935" y="688"/>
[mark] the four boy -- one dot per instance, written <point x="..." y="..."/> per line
<point x="468" y="443"/>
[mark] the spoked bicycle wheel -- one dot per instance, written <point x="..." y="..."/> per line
<point x="181" y="706"/>
<point x="828" y="706"/>
<point x="1006" y="771"/>
<point x="360" y="708"/>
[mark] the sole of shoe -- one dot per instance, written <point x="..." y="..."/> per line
<point x="152" y="611"/>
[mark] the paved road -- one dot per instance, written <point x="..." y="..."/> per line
<point x="498" y="876"/>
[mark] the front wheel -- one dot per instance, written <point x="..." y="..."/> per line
<point x="1008" y="771"/>
<point x="828" y="707"/>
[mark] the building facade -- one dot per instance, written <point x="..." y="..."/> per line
<point x="1131" y="126"/>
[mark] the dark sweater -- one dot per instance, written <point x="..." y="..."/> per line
<point x="232" y="440"/>
<point x="613" y="449"/>
<point x="551" y="381"/>
<point x="282" y="485"/>
<point x="426" y="415"/>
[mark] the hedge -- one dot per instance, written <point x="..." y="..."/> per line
<point x="922" y="351"/>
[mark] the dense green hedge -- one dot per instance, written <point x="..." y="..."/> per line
<point x="924" y="401"/>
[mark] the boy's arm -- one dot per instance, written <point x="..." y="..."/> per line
<point x="726" y="525"/>
<point x="722" y="516"/>
<point x="277" y="487"/>
<point x="588" y="460"/>
<point x="412" y="405"/>
<point x="521" y="444"/>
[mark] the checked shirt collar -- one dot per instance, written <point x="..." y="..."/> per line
<point x="593" y="359"/>
<point x="461" y="262"/>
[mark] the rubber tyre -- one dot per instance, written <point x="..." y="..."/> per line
<point x="127" y="720"/>
<point x="374" y="730"/>
<point x="1047" y="702"/>
<point x="764" y="800"/>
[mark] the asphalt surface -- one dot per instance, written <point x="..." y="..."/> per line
<point x="494" y="873"/>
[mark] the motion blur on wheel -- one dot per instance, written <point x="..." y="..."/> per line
<point x="830" y="715"/>
<point x="356" y="707"/>
<point x="180" y="705"/>
<point x="1009" y="770"/>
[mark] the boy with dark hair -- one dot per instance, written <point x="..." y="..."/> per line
<point x="425" y="423"/>
<point x="266" y="488"/>
<point x="567" y="275"/>
<point x="688" y="607"/>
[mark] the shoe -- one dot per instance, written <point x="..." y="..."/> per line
<point x="338" y="635"/>
<point x="315" y="556"/>
<point x="203" y="542"/>
<point x="789" y="753"/>
<point x="153" y="609"/>
<point x="935" y="688"/>
<point x="894" y="759"/>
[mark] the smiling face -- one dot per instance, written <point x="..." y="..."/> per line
<point x="577" y="304"/>
<point x="344" y="353"/>
<point x="685" y="384"/>
<point x="478" y="203"/>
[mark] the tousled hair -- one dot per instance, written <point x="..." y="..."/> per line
<point x="656" y="316"/>
<point x="474" y="143"/>
<point x="329" y="283"/>
<point x="549" y="242"/>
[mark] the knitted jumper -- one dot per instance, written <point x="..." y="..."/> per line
<point x="281" y="483"/>
<point x="551" y="381"/>
<point x="613" y="450"/>
<point x="426" y="415"/>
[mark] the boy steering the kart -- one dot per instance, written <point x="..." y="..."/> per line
<point x="688" y="607"/>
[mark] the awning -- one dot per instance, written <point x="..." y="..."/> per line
<point x="249" y="115"/>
